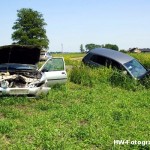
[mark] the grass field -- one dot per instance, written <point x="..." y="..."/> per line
<point x="89" y="113"/>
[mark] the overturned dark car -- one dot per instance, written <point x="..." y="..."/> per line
<point x="107" y="57"/>
<point x="19" y="74"/>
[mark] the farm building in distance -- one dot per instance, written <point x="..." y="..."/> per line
<point x="139" y="50"/>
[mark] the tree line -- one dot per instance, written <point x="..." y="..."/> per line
<point x="91" y="46"/>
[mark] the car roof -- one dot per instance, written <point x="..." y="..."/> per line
<point x="112" y="54"/>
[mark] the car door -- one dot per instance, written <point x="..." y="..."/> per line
<point x="54" y="71"/>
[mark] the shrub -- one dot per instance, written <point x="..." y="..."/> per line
<point x="81" y="75"/>
<point x="145" y="82"/>
<point x="121" y="80"/>
<point x="87" y="76"/>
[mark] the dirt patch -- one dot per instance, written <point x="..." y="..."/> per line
<point x="2" y="115"/>
<point x="76" y="58"/>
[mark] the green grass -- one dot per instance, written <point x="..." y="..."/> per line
<point x="76" y="117"/>
<point x="80" y="115"/>
<point x="71" y="58"/>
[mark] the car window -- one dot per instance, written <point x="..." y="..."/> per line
<point x="115" y="64"/>
<point x="106" y="62"/>
<point x="54" y="64"/>
<point x="99" y="59"/>
<point x="135" y="68"/>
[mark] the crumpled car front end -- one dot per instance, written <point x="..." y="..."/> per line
<point x="24" y="83"/>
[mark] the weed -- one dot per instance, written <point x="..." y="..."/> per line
<point x="89" y="76"/>
<point x="13" y="114"/>
<point x="123" y="81"/>
<point x="145" y="82"/>
<point x="6" y="126"/>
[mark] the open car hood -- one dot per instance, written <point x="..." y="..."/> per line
<point x="19" y="54"/>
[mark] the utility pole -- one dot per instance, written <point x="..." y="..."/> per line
<point x="62" y="49"/>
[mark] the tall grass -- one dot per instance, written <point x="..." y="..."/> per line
<point x="87" y="76"/>
<point x="118" y="79"/>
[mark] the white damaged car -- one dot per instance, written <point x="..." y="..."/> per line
<point x="19" y="74"/>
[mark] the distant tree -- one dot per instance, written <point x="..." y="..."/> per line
<point x="97" y="46"/>
<point x="81" y="48"/>
<point x="124" y="51"/>
<point x="91" y="46"/>
<point x="111" y="46"/>
<point x="29" y="29"/>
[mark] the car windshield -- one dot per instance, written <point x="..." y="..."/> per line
<point x="11" y="67"/>
<point x="135" y="68"/>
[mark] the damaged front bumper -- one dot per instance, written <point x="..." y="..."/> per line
<point x="24" y="91"/>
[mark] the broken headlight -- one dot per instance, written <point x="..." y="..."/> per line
<point x="4" y="84"/>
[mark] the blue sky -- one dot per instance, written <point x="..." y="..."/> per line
<point x="74" y="22"/>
